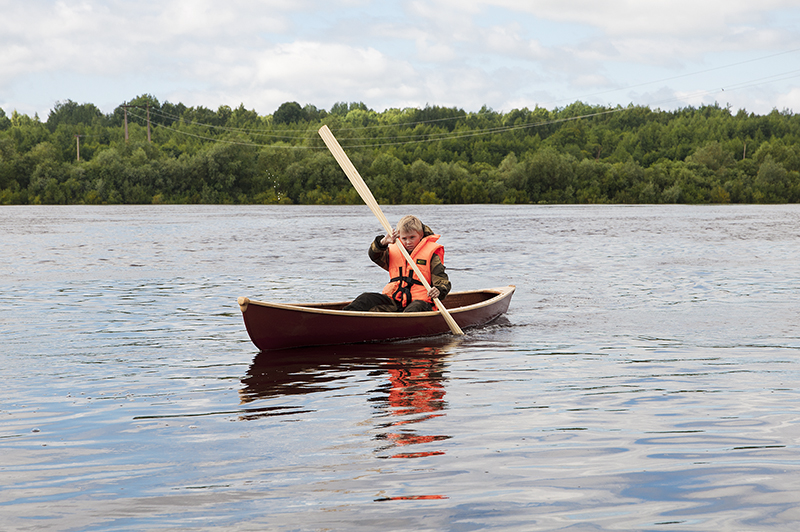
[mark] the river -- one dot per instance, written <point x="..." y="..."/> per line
<point x="644" y="377"/>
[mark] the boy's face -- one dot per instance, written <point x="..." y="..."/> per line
<point x="410" y="239"/>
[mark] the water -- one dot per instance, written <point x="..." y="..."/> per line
<point x="644" y="377"/>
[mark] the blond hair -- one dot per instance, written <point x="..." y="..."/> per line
<point x="410" y="223"/>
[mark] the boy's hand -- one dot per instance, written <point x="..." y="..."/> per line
<point x="433" y="293"/>
<point x="389" y="239"/>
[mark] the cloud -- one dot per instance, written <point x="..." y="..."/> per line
<point x="789" y="100"/>
<point x="466" y="53"/>
<point x="303" y="71"/>
<point x="635" y="17"/>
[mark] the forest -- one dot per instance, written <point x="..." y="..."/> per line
<point x="151" y="152"/>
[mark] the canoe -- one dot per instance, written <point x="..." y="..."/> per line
<point x="282" y="326"/>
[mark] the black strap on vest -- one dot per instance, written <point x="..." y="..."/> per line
<point x="403" y="293"/>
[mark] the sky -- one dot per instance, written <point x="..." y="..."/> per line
<point x="502" y="54"/>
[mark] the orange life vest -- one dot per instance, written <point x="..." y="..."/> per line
<point x="403" y="287"/>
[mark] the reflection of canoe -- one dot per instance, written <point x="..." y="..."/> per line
<point x="406" y="388"/>
<point x="326" y="368"/>
<point x="280" y="326"/>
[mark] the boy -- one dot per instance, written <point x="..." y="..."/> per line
<point x="405" y="292"/>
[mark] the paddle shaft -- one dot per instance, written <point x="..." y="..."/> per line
<point x="365" y="193"/>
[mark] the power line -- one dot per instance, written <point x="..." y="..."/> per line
<point x="713" y="69"/>
<point x="438" y="136"/>
<point x="303" y="132"/>
<point x="730" y="88"/>
<point x="435" y="137"/>
<point x="230" y="141"/>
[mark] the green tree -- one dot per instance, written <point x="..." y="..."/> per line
<point x="70" y="113"/>
<point x="549" y="170"/>
<point x="772" y="181"/>
<point x="5" y="122"/>
<point x="579" y="153"/>
<point x="288" y="113"/>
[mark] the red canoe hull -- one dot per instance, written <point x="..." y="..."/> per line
<point x="281" y="326"/>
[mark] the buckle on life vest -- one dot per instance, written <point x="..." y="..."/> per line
<point x="404" y="283"/>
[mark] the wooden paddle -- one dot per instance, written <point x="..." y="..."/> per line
<point x="369" y="199"/>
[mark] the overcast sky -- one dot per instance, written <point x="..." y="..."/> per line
<point x="504" y="54"/>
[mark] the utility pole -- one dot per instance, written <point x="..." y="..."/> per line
<point x="125" y="107"/>
<point x="78" y="145"/>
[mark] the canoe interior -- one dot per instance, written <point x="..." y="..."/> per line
<point x="455" y="300"/>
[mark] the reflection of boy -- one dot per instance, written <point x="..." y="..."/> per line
<point x="405" y="293"/>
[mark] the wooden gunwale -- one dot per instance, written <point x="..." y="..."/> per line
<point x="318" y="308"/>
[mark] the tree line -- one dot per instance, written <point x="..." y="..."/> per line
<point x="579" y="153"/>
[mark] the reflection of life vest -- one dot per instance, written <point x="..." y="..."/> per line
<point x="416" y="389"/>
<point x="403" y="287"/>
